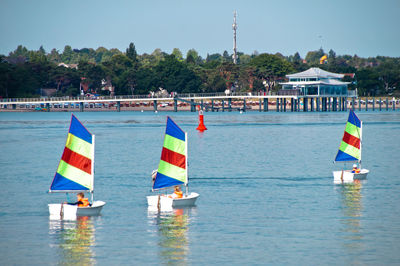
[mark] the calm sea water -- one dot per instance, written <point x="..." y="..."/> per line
<point x="265" y="184"/>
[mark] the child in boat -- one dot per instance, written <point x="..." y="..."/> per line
<point x="81" y="200"/>
<point x="178" y="194"/>
<point x="355" y="169"/>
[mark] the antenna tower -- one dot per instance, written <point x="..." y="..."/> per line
<point x="234" y="27"/>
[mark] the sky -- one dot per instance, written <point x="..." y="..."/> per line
<point x="367" y="28"/>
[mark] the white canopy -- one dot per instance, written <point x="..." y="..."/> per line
<point x="315" y="72"/>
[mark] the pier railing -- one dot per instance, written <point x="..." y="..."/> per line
<point x="133" y="97"/>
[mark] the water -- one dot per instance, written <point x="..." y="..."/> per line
<point x="265" y="184"/>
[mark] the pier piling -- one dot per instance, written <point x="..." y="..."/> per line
<point x="387" y="104"/>
<point x="155" y="105"/>
<point x="265" y="104"/>
<point x="284" y="104"/>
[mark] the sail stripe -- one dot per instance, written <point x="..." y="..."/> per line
<point x="351" y="140"/>
<point x="79" y="145"/>
<point x="173" y="158"/>
<point x="352" y="151"/>
<point x="344" y="157"/>
<point x="353" y="119"/>
<point x="78" y="130"/>
<point x="77" y="160"/>
<point x="174" y="144"/>
<point x="174" y="130"/>
<point x="62" y="183"/>
<point x="74" y="174"/>
<point x="352" y="130"/>
<point x="172" y="171"/>
<point x="165" y="181"/>
<point x="350" y="146"/>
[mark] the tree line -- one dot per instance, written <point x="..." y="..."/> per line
<point x="23" y="72"/>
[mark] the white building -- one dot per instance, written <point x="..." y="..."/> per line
<point x="315" y="82"/>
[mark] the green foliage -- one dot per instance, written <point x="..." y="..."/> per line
<point x="131" y="52"/>
<point x="23" y="72"/>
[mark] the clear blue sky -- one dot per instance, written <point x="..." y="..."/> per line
<point x="363" y="27"/>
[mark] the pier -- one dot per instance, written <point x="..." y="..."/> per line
<point x="213" y="102"/>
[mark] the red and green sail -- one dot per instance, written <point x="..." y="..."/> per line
<point x="75" y="170"/>
<point x="350" y="147"/>
<point x="172" y="169"/>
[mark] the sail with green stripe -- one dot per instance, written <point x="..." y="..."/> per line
<point x="172" y="169"/>
<point x="350" y="146"/>
<point x="75" y="171"/>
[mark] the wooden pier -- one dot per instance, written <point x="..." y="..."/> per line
<point x="209" y="102"/>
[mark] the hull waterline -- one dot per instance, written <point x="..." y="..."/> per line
<point x="69" y="212"/>
<point x="165" y="201"/>
<point x="347" y="176"/>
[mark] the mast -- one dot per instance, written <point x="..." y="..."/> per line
<point x="92" y="190"/>
<point x="234" y="27"/>
<point x="359" y="161"/>
<point x="186" y="164"/>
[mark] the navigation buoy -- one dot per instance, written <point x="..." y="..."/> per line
<point x="201" y="126"/>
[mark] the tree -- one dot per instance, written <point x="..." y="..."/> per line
<point x="67" y="54"/>
<point x="313" y="57"/>
<point x="131" y="52"/>
<point x="41" y="50"/>
<point x="54" y="56"/>
<point x="368" y="82"/>
<point x="176" y="76"/>
<point x="389" y="74"/>
<point x="192" y="57"/>
<point x="19" y="55"/>
<point x="178" y="54"/>
<point x="226" y="57"/>
<point x="269" y="68"/>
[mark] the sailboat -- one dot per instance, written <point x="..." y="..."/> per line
<point x="173" y="169"/>
<point x="75" y="172"/>
<point x="350" y="151"/>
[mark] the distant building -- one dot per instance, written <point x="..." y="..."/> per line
<point x="74" y="66"/>
<point x="315" y="82"/>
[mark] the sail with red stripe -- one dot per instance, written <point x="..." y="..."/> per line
<point x="172" y="169"/>
<point x="350" y="146"/>
<point x="75" y="170"/>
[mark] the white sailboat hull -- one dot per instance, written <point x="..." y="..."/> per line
<point x="69" y="212"/>
<point x="347" y="176"/>
<point x="165" y="202"/>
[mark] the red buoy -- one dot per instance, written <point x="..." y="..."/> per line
<point x="201" y="126"/>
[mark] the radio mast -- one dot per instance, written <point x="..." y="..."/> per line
<point x="234" y="27"/>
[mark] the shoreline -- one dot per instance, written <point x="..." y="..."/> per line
<point x="235" y="108"/>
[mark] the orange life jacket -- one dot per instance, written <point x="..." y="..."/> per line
<point x="179" y="194"/>
<point x="355" y="170"/>
<point x="85" y="202"/>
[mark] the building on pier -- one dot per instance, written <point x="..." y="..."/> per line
<point x="315" y="82"/>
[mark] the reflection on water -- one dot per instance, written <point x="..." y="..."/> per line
<point x="74" y="240"/>
<point x="172" y="230"/>
<point x="351" y="198"/>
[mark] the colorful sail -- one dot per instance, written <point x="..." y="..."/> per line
<point x="350" y="147"/>
<point x="172" y="169"/>
<point x="75" y="171"/>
